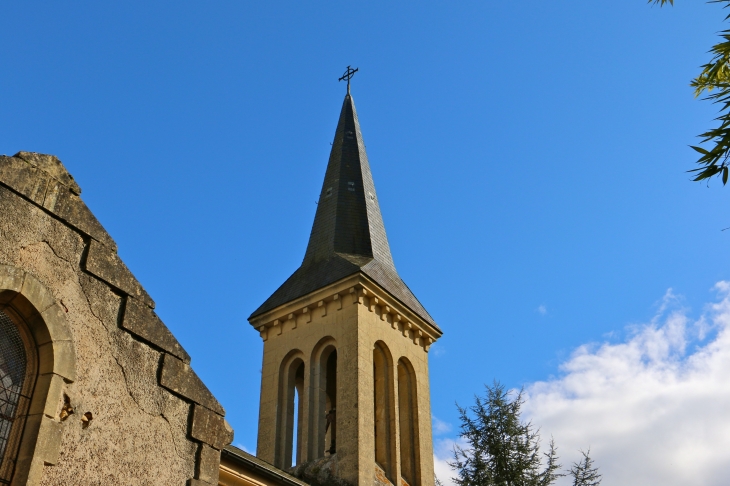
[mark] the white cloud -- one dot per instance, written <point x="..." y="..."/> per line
<point x="654" y="409"/>
<point x="245" y="449"/>
<point x="439" y="426"/>
<point x="437" y="350"/>
<point x="442" y="453"/>
<point x="542" y="309"/>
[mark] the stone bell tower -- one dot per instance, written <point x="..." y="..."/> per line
<point x="344" y="383"/>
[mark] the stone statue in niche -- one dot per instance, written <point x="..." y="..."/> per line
<point x="331" y="423"/>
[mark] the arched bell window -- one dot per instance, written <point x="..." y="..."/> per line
<point x="289" y="427"/>
<point x="322" y="430"/>
<point x="384" y="408"/>
<point x="408" y="418"/>
<point x="17" y="378"/>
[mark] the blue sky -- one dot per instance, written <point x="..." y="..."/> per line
<point x="529" y="157"/>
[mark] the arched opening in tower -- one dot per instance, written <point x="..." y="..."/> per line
<point x="383" y="408"/>
<point x="323" y="404"/>
<point x="330" y="439"/>
<point x="408" y="423"/>
<point x="289" y="444"/>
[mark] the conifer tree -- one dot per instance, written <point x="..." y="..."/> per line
<point x="502" y="450"/>
<point x="584" y="473"/>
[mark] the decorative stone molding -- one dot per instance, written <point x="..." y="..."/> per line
<point x="363" y="291"/>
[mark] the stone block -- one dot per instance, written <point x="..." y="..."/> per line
<point x="58" y="357"/>
<point x="142" y="321"/>
<point x="179" y="378"/>
<point x="104" y="263"/>
<point x="70" y="208"/>
<point x="23" y="178"/>
<point x="11" y="279"/>
<point x="39" y="447"/>
<point x="45" y="181"/>
<point x="37" y="294"/>
<point x="51" y="165"/>
<point x="54" y="319"/>
<point x="49" y="443"/>
<point x="209" y="461"/>
<point x="37" y="325"/>
<point x="47" y="385"/>
<point x="210" y="428"/>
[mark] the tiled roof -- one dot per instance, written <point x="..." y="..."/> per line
<point x="249" y="462"/>
<point x="348" y="235"/>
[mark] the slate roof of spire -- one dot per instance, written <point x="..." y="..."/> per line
<point x="348" y="235"/>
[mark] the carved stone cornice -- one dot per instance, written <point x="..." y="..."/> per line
<point x="358" y="289"/>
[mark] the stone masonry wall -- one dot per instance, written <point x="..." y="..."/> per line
<point x="353" y="314"/>
<point x="153" y="420"/>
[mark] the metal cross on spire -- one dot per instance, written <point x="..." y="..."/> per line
<point x="349" y="73"/>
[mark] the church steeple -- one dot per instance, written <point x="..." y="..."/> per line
<point x="348" y="234"/>
<point x="344" y="379"/>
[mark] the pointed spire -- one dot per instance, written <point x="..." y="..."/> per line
<point x="348" y="220"/>
<point x="348" y="234"/>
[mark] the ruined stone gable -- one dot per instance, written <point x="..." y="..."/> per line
<point x="113" y="399"/>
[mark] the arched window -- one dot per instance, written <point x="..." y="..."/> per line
<point x="323" y="405"/>
<point x="290" y="412"/>
<point x="17" y="378"/>
<point x="408" y="426"/>
<point x="383" y="406"/>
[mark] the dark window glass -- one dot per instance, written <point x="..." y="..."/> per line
<point x="13" y="365"/>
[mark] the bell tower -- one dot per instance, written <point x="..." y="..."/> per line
<point x="344" y="382"/>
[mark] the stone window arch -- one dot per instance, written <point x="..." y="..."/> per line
<point x="384" y="410"/>
<point x="18" y="365"/>
<point x="31" y="314"/>
<point x="323" y="399"/>
<point x="291" y="387"/>
<point x="408" y="423"/>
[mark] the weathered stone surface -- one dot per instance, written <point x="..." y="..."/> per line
<point x="42" y="179"/>
<point x="52" y="166"/>
<point x="354" y="328"/>
<point x="11" y="281"/>
<point x="70" y="208"/>
<point x="58" y="357"/>
<point x="211" y="428"/>
<point x="199" y="482"/>
<point x="24" y="178"/>
<point x="106" y="264"/>
<point x="140" y="433"/>
<point x="48" y="384"/>
<point x="319" y="472"/>
<point x="40" y="447"/>
<point x="37" y="293"/>
<point x="142" y="321"/>
<point x="179" y="378"/>
<point x="209" y="461"/>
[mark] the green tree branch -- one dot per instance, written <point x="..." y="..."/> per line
<point x="715" y="81"/>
